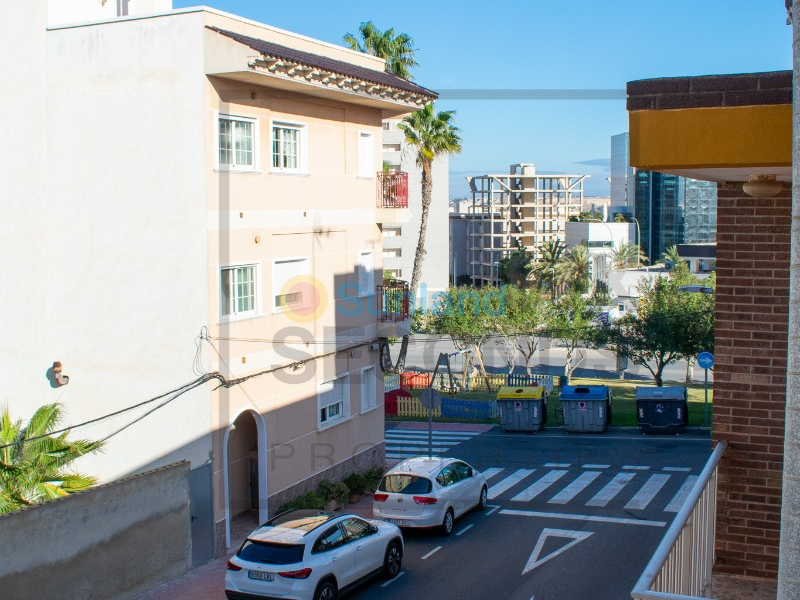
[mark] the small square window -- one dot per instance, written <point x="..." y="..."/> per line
<point x="238" y="290"/>
<point x="333" y="401"/>
<point x="237" y="140"/>
<point x="288" y="151"/>
<point x="368" y="389"/>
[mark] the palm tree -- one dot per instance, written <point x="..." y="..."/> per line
<point x="432" y="135"/>
<point x="671" y="255"/>
<point x="543" y="268"/>
<point x="34" y="459"/>
<point x="575" y="269"/>
<point x="396" y="50"/>
<point x="513" y="269"/>
<point x="627" y="256"/>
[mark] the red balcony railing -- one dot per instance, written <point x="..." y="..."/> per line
<point x="392" y="189"/>
<point x="393" y="302"/>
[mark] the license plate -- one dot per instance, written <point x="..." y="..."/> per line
<point x="261" y="575"/>
<point x="399" y="522"/>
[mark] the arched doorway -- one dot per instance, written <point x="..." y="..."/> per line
<point x="245" y="475"/>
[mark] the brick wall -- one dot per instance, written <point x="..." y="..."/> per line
<point x="752" y="300"/>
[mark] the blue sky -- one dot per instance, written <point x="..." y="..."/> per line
<point x="549" y="44"/>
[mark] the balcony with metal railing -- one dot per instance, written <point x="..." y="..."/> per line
<point x="392" y="197"/>
<point x="393" y="305"/>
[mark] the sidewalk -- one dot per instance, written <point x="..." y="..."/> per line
<point x="207" y="582"/>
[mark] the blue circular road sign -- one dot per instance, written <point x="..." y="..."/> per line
<point x="705" y="360"/>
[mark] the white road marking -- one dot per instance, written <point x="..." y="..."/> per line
<point x="396" y="577"/>
<point x="489" y="473"/>
<point x="680" y="498"/>
<point x="541" y="485"/>
<point x="535" y="561"/>
<point x="636" y="467"/>
<point x="613" y="487"/>
<point x="648" y="491"/>
<point x="392" y="442"/>
<point x="466" y="529"/>
<point x="677" y="469"/>
<point x="431" y="553"/>
<point x="425" y="432"/>
<point x="421" y="436"/>
<point x="596" y="466"/>
<point x="574" y="488"/>
<point x="596" y="519"/>
<point x="510" y="481"/>
<point x="556" y="465"/>
<point x="494" y="508"/>
<point x="396" y="456"/>
<point x="415" y="448"/>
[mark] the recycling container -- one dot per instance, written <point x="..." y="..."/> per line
<point x="662" y="409"/>
<point x="586" y="408"/>
<point x="522" y="408"/>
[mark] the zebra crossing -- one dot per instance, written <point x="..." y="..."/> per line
<point x="632" y="487"/>
<point x="404" y="443"/>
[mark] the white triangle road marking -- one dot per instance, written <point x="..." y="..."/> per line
<point x="536" y="561"/>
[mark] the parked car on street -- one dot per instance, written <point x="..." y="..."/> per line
<point x="312" y="555"/>
<point x="429" y="492"/>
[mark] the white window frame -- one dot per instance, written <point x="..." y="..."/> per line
<point x="255" y="167"/>
<point x="302" y="147"/>
<point x="256" y="311"/>
<point x="276" y="286"/>
<point x="366" y="279"/>
<point x="366" y="162"/>
<point x="344" y="411"/>
<point x="369" y="401"/>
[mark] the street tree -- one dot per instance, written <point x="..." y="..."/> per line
<point x="397" y="50"/>
<point x="35" y="461"/>
<point x="574" y="270"/>
<point x="525" y="320"/>
<point x="542" y="269"/>
<point x="572" y="322"/>
<point x="669" y="325"/>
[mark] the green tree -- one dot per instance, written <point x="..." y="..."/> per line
<point x="396" y="50"/>
<point x="571" y="321"/>
<point x="431" y="134"/>
<point x="34" y="462"/>
<point x="574" y="270"/>
<point x="525" y="320"/>
<point x="672" y="255"/>
<point x="542" y="269"/>
<point x="670" y="325"/>
<point x="627" y="256"/>
<point x="513" y="269"/>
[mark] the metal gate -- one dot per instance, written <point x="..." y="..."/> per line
<point x="201" y="508"/>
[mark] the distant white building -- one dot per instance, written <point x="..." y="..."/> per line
<point x="601" y="238"/>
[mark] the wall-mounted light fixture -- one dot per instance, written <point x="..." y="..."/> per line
<point x="58" y="374"/>
<point x="763" y="186"/>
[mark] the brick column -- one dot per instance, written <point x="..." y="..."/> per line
<point x="752" y="304"/>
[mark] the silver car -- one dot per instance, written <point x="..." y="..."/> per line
<point x="429" y="492"/>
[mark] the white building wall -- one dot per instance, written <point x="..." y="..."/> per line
<point x="104" y="214"/>
<point x="61" y="12"/>
<point x="436" y="268"/>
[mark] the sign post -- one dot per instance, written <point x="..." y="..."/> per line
<point x="430" y="399"/>
<point x="705" y="360"/>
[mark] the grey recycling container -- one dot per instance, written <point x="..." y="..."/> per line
<point x="662" y="409"/>
<point x="522" y="408"/>
<point x="586" y="408"/>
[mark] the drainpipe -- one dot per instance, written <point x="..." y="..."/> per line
<point x="789" y="553"/>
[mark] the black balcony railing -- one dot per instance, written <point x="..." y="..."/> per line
<point x="393" y="304"/>
<point x="392" y="189"/>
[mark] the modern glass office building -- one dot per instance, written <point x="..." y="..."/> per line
<point x="674" y="210"/>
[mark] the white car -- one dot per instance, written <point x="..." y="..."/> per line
<point x="312" y="555"/>
<point x="429" y="492"/>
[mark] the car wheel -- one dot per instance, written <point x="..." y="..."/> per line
<point x="325" y="591"/>
<point x="393" y="561"/>
<point x="449" y="520"/>
<point x="484" y="499"/>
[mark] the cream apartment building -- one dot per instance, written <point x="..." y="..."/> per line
<point x="196" y="193"/>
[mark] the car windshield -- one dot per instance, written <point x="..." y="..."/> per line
<point x="271" y="554"/>
<point x="405" y="484"/>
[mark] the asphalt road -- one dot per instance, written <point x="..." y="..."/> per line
<point x="424" y="350"/>
<point x="571" y="516"/>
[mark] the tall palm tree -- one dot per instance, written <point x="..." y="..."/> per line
<point x="627" y="256"/>
<point x="513" y="269"/>
<point x="34" y="465"/>
<point x="543" y="268"/>
<point x="575" y="269"/>
<point x="431" y="134"/>
<point x="396" y="50"/>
